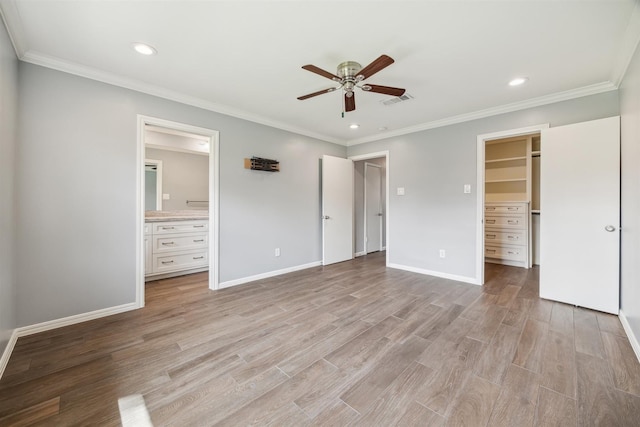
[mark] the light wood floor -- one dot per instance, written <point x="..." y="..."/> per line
<point x="350" y="344"/>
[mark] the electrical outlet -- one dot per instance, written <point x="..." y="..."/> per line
<point x="442" y="253"/>
<point x="277" y="251"/>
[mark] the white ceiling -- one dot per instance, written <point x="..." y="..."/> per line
<point x="243" y="58"/>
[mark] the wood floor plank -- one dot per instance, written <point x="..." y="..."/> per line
<point x="587" y="333"/>
<point x="338" y="414"/>
<point x="532" y="341"/>
<point x="562" y="319"/>
<point x="418" y="415"/>
<point x="610" y="323"/>
<point x="623" y="362"/>
<point x="516" y="404"/>
<point x="397" y="359"/>
<point x="498" y="355"/>
<point x="474" y="403"/>
<point x="33" y="414"/>
<point x="558" y="364"/>
<point x="555" y="410"/>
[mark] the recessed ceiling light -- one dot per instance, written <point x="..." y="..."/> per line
<point x="354" y="126"/>
<point x="144" y="49"/>
<point x="518" y="81"/>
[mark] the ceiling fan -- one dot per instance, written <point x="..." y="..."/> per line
<point x="350" y="75"/>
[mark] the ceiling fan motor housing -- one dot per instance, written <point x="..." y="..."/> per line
<point x="348" y="72"/>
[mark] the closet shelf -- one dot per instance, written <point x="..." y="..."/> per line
<point x="506" y="159"/>
<point x="489" y="181"/>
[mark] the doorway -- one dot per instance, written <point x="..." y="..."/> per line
<point x="502" y="190"/>
<point x="210" y="139"/>
<point x="371" y="223"/>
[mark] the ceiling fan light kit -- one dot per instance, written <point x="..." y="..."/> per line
<point x="349" y="75"/>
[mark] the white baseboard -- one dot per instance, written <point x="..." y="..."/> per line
<point x="58" y="323"/>
<point x="6" y="354"/>
<point x="465" y="279"/>
<point x="633" y="339"/>
<point x="357" y="254"/>
<point x="235" y="282"/>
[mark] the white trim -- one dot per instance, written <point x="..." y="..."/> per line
<point x="494" y="111"/>
<point x="243" y="280"/>
<point x="628" y="46"/>
<point x="8" y="349"/>
<point x="214" y="198"/>
<point x="633" y="339"/>
<point x="76" y="318"/>
<point x="480" y="143"/>
<point x="363" y="253"/>
<point x="434" y="273"/>
<point x="387" y="168"/>
<point x="9" y="13"/>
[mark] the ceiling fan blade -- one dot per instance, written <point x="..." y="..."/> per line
<point x="382" y="62"/>
<point x="320" y="92"/>
<point x="349" y="102"/>
<point x="321" y="72"/>
<point x="387" y="90"/>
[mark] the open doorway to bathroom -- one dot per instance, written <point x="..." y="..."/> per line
<point x="178" y="206"/>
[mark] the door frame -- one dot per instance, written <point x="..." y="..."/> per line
<point x="158" y="164"/>
<point x="480" y="167"/>
<point x="214" y="198"/>
<point x="387" y="168"/>
<point x="365" y="222"/>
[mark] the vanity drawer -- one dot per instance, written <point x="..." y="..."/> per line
<point x="180" y="227"/>
<point x="512" y="221"/>
<point x="514" y="237"/>
<point x="179" y="242"/>
<point x="164" y="263"/>
<point x="505" y="208"/>
<point x="512" y="253"/>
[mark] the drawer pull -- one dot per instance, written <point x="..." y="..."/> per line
<point x="167" y="262"/>
<point x="168" y="228"/>
<point x="198" y="226"/>
<point x="199" y="257"/>
<point x="167" y="243"/>
<point x="512" y="253"/>
<point x="513" y="237"/>
<point x="491" y="221"/>
<point x="199" y="240"/>
<point x="492" y="251"/>
<point x="512" y="209"/>
<point x="513" y="221"/>
<point x="491" y="236"/>
<point x="490" y="208"/>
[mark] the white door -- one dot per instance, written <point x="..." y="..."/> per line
<point x="337" y="209"/>
<point x="373" y="208"/>
<point x="580" y="214"/>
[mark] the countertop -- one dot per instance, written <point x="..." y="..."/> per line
<point x="161" y="216"/>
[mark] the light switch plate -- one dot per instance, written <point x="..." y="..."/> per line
<point x="400" y="191"/>
<point x="166" y="196"/>
<point x="467" y="188"/>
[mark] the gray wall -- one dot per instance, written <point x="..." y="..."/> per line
<point x="76" y="248"/>
<point x="8" y="143"/>
<point x="433" y="166"/>
<point x="185" y="176"/>
<point x="359" y="201"/>
<point x="630" y="196"/>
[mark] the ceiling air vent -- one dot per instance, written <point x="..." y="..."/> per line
<point x="405" y="97"/>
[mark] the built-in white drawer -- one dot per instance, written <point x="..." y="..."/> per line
<point x="512" y="253"/>
<point x="165" y="263"/>
<point x="180" y="242"/>
<point x="505" y="209"/>
<point x="179" y="227"/>
<point x="510" y="237"/>
<point x="514" y="221"/>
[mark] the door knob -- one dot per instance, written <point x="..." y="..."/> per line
<point x="610" y="228"/>
<point x="326" y="217"/>
<point x="379" y="214"/>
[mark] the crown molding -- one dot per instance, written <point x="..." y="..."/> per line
<point x="494" y="111"/>
<point x="139" y="86"/>
<point x="13" y="23"/>
<point x="628" y="46"/>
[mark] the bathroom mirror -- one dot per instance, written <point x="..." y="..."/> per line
<point x="152" y="185"/>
